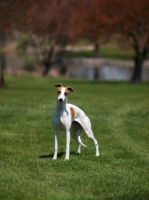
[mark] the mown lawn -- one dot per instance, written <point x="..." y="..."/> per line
<point x="111" y="52"/>
<point x="119" y="113"/>
<point x="105" y="51"/>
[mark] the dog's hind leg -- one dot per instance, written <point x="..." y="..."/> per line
<point x="79" y="144"/>
<point x="91" y="136"/>
<point x="86" y="124"/>
<point x="76" y="130"/>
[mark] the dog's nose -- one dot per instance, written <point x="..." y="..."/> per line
<point x="60" y="99"/>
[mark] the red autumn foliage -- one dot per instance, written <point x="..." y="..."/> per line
<point x="96" y="20"/>
<point x="133" y="27"/>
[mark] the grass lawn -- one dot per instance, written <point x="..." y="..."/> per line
<point x="105" y="51"/>
<point x="119" y="113"/>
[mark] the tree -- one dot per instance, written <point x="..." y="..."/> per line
<point x="92" y="22"/>
<point x="14" y="14"/>
<point x="51" y="22"/>
<point x="132" y="25"/>
<point x="56" y="24"/>
<point x="100" y="19"/>
<point x="64" y="21"/>
<point x="2" y="59"/>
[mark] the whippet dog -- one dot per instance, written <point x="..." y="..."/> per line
<point x="72" y="119"/>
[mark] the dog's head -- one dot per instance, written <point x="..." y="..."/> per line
<point x="63" y="91"/>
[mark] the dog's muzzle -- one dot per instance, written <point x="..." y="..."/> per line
<point x="60" y="99"/>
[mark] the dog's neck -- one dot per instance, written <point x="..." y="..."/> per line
<point x="61" y="105"/>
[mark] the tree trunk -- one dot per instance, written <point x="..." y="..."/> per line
<point x="96" y="50"/>
<point x="2" y="60"/>
<point x="48" y="61"/>
<point x="2" y="66"/>
<point x="137" y="72"/>
<point x="140" y="57"/>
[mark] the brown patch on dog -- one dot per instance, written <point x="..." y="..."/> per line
<point x="69" y="89"/>
<point x="59" y="90"/>
<point x="72" y="112"/>
<point x="66" y="91"/>
<point x="59" y="87"/>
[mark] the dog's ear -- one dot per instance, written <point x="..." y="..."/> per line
<point x="70" y="89"/>
<point x="58" y="85"/>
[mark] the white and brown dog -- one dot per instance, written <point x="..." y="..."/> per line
<point x="72" y="119"/>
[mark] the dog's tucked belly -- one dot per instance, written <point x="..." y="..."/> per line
<point x="61" y="126"/>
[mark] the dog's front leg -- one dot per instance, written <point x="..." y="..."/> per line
<point x="55" y="144"/>
<point x="67" y="145"/>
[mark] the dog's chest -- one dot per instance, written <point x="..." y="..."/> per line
<point x="63" y="120"/>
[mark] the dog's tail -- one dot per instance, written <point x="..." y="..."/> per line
<point x="79" y="140"/>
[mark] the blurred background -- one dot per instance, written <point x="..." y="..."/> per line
<point x="98" y="39"/>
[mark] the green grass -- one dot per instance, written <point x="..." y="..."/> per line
<point x="119" y="113"/>
<point x="110" y="52"/>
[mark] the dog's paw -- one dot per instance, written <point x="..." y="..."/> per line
<point x="97" y="154"/>
<point x="78" y="153"/>
<point x="66" y="159"/>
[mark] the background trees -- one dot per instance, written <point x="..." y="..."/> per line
<point x="56" y="24"/>
<point x="133" y="27"/>
<point x="94" y="22"/>
<point x="103" y="19"/>
<point x="13" y="15"/>
<point x="65" y="21"/>
<point x="2" y="59"/>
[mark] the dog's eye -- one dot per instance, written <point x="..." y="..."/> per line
<point x="59" y="92"/>
<point x="65" y="93"/>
